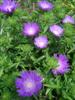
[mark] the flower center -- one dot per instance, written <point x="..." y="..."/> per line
<point x="56" y="32"/>
<point x="45" y="5"/>
<point x="29" y="84"/>
<point x="8" y="8"/>
<point x="41" y="43"/>
<point x="31" y="31"/>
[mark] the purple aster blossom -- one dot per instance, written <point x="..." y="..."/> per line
<point x="63" y="64"/>
<point x="41" y="42"/>
<point x="8" y="6"/>
<point x="56" y="30"/>
<point x="45" y="5"/>
<point x="31" y="29"/>
<point x="29" y="83"/>
<point x="68" y="19"/>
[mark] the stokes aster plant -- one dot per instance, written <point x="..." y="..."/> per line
<point x="68" y="19"/>
<point x="29" y="83"/>
<point x="46" y="62"/>
<point x="63" y="64"/>
<point x="31" y="29"/>
<point x="56" y="30"/>
<point x="41" y="42"/>
<point x="8" y="6"/>
<point x="45" y="5"/>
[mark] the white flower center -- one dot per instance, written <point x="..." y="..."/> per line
<point x="45" y="6"/>
<point x="31" y="31"/>
<point x="8" y="8"/>
<point x="29" y="85"/>
<point x="56" y="32"/>
<point x="41" y="43"/>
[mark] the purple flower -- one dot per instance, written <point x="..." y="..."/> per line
<point x="8" y="6"/>
<point x="63" y="65"/>
<point x="41" y="42"/>
<point x="45" y="5"/>
<point x="68" y="19"/>
<point x="56" y="30"/>
<point x="29" y="83"/>
<point x="31" y="29"/>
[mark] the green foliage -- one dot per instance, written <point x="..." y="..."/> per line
<point x="18" y="52"/>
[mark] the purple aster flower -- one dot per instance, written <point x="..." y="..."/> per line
<point x="30" y="29"/>
<point x="56" y="30"/>
<point x="68" y="19"/>
<point x="45" y="5"/>
<point x="29" y="83"/>
<point x="63" y="65"/>
<point x="41" y="42"/>
<point x="8" y="6"/>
